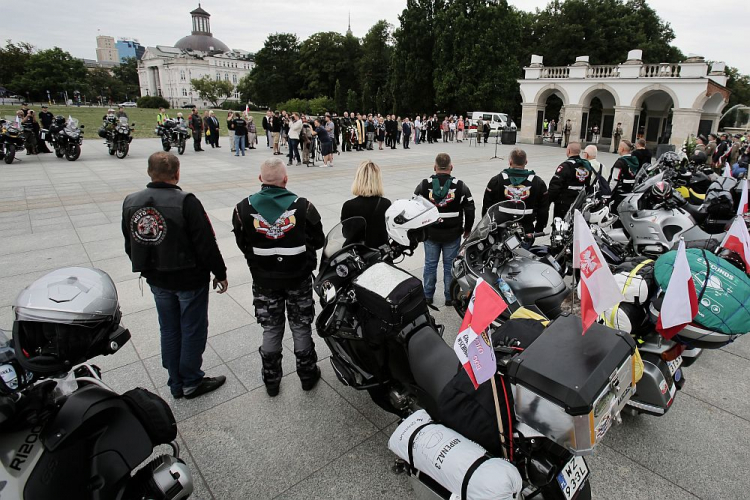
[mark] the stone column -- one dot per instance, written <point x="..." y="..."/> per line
<point x="685" y="122"/>
<point x="625" y="115"/>
<point x="574" y="113"/>
<point x="528" y="122"/>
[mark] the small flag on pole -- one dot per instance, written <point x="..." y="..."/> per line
<point x="738" y="240"/>
<point x="599" y="290"/>
<point x="680" y="304"/>
<point x="742" y="208"/>
<point x="472" y="348"/>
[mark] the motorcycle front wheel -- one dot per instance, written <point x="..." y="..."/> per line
<point x="122" y="150"/>
<point x="181" y="146"/>
<point x="73" y="152"/>
<point x="59" y="152"/>
<point x="166" y="145"/>
<point x="10" y="153"/>
<point x="459" y="299"/>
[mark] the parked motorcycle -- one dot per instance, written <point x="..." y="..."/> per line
<point x="118" y="137"/>
<point x="66" y="138"/>
<point x="12" y="140"/>
<point x="173" y="134"/>
<point x="383" y="339"/>
<point x="494" y="251"/>
<point x="63" y="432"/>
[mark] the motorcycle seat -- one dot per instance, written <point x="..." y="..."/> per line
<point x="695" y="233"/>
<point x="695" y="212"/>
<point x="433" y="363"/>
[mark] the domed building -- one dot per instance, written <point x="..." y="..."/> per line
<point x="167" y="70"/>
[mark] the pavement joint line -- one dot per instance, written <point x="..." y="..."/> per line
<point x="719" y="408"/>
<point x="733" y="354"/>
<point x="200" y="473"/>
<point x="643" y="465"/>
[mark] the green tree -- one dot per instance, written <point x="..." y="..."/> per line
<point x="739" y="85"/>
<point x="52" y="70"/>
<point x="376" y="55"/>
<point x="351" y="54"/>
<point x="105" y="86"/>
<point x="212" y="90"/>
<point x="366" y="98"/>
<point x="246" y="88"/>
<point x="13" y="59"/>
<point x="410" y="78"/>
<point x="339" y="97"/>
<point x="127" y="74"/>
<point x="322" y="62"/>
<point x="276" y="76"/>
<point x="380" y="101"/>
<point x="351" y="101"/>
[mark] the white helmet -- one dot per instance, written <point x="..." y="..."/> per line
<point x="602" y="217"/>
<point x="405" y="220"/>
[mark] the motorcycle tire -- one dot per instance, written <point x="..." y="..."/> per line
<point x="111" y="151"/>
<point x="122" y="150"/>
<point x="59" y="152"/>
<point x="552" y="491"/>
<point x="73" y="153"/>
<point x="10" y="153"/>
<point x="166" y="146"/>
<point x="181" y="146"/>
<point x="460" y="301"/>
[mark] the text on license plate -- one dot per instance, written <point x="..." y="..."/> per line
<point x="674" y="365"/>
<point x="573" y="477"/>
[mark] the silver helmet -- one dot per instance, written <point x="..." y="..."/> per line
<point x="67" y="317"/>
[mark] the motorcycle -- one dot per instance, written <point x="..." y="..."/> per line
<point x="493" y="251"/>
<point x="119" y="137"/>
<point x="12" y="140"/>
<point x="173" y="133"/>
<point x="66" y="139"/>
<point x="383" y="340"/>
<point x="65" y="433"/>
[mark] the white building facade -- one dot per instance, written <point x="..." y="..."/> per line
<point x="167" y="71"/>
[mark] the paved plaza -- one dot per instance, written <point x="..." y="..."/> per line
<point x="331" y="442"/>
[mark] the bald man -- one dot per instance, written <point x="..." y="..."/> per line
<point x="279" y="233"/>
<point x="571" y="176"/>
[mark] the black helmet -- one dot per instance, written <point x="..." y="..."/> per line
<point x="59" y="119"/>
<point x="669" y="159"/>
<point x="699" y="158"/>
<point x="67" y="317"/>
<point x="661" y="191"/>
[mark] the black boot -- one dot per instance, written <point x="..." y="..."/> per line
<point x="272" y="371"/>
<point x="307" y="368"/>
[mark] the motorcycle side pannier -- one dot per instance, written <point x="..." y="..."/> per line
<point x="570" y="386"/>
<point x="390" y="294"/>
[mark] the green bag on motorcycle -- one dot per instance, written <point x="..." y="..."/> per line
<point x="722" y="289"/>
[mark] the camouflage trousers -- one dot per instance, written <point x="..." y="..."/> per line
<point x="270" y="306"/>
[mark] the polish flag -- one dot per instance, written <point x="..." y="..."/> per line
<point x="738" y="240"/>
<point x="471" y="347"/>
<point x="727" y="170"/>
<point x="674" y="316"/>
<point x="247" y="110"/>
<point x="742" y="208"/>
<point x="599" y="290"/>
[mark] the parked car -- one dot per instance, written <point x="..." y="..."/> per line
<point x="128" y="104"/>
<point x="497" y="120"/>
<point x="188" y="106"/>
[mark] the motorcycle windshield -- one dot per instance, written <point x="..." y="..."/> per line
<point x="123" y="121"/>
<point x="646" y="184"/>
<point x="502" y="213"/>
<point x="349" y="232"/>
<point x="72" y="128"/>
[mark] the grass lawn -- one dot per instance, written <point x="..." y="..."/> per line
<point x="91" y="117"/>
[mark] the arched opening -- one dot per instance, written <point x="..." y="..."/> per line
<point x="551" y="104"/>
<point x="653" y="119"/>
<point x="598" y="115"/>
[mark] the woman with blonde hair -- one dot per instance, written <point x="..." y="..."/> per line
<point x="368" y="203"/>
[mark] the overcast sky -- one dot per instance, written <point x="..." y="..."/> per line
<point x="701" y="27"/>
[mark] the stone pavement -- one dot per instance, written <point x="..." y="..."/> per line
<point x="331" y="442"/>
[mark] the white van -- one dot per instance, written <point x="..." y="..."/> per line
<point x="497" y="120"/>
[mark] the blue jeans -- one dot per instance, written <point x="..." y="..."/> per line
<point x="432" y="251"/>
<point x="293" y="151"/>
<point x="239" y="145"/>
<point x="183" y="320"/>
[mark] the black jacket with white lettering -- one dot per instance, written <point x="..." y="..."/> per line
<point x="573" y="175"/>
<point x="456" y="209"/>
<point x="532" y="191"/>
<point x="280" y="253"/>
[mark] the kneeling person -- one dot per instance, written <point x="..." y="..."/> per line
<point x="279" y="233"/>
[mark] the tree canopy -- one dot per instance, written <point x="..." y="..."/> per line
<point x="213" y="91"/>
<point x="52" y="70"/>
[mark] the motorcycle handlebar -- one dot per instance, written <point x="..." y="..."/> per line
<point x="536" y="235"/>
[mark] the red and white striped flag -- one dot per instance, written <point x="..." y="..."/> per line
<point x="675" y="313"/>
<point x="247" y="110"/>
<point x="727" y="170"/>
<point x="738" y="240"/>
<point x="742" y="208"/>
<point x="476" y="356"/>
<point x="598" y="289"/>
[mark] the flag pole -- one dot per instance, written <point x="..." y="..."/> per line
<point x="496" y="397"/>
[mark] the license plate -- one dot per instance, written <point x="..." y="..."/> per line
<point x="573" y="477"/>
<point x="674" y="365"/>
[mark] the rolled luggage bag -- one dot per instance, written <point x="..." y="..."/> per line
<point x="456" y="463"/>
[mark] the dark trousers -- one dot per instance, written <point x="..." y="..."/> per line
<point x="183" y="320"/>
<point x="407" y="138"/>
<point x="293" y="150"/>
<point x="197" y="140"/>
<point x="270" y="306"/>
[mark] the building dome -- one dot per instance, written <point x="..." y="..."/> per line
<point x="201" y="38"/>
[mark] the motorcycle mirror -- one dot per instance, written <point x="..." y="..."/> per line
<point x="82" y="127"/>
